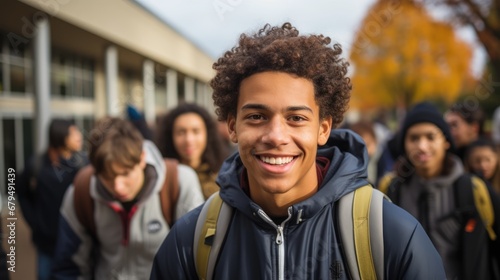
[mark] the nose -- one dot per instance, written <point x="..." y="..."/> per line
<point x="422" y="143"/>
<point x="118" y="186"/>
<point x="276" y="132"/>
<point x="189" y="137"/>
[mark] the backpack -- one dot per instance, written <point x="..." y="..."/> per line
<point x="84" y="204"/>
<point x="467" y="197"/>
<point x="363" y="247"/>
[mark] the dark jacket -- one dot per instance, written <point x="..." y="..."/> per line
<point x="312" y="249"/>
<point x="456" y="230"/>
<point x="40" y="202"/>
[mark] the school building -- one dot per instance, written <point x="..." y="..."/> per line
<point x="84" y="59"/>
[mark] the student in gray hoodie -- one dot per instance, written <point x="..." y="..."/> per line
<point x="125" y="178"/>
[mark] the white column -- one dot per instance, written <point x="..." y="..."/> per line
<point x="148" y="80"/>
<point x="200" y="94"/>
<point x="189" y="89"/>
<point x="112" y="104"/>
<point x="172" y="90"/>
<point x="42" y="84"/>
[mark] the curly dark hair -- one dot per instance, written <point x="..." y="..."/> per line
<point x="281" y="49"/>
<point x="470" y="113"/>
<point x="215" y="152"/>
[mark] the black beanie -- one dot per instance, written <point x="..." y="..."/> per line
<point x="424" y="112"/>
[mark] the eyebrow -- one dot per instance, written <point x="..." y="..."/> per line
<point x="264" y="107"/>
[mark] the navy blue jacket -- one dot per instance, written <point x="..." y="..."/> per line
<point x="312" y="246"/>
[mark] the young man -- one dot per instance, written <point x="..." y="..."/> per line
<point x="430" y="183"/>
<point x="466" y="126"/>
<point x="281" y="94"/>
<point x="124" y="182"/>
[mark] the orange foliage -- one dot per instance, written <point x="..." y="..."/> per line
<point x="401" y="55"/>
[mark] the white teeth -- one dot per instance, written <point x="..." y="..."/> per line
<point x="276" y="161"/>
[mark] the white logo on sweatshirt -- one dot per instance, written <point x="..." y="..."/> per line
<point x="154" y="226"/>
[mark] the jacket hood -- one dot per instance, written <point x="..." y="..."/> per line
<point x="348" y="158"/>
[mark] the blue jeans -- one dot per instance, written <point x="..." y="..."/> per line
<point x="44" y="265"/>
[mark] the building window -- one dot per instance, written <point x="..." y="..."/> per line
<point x="72" y="76"/>
<point x="15" y="68"/>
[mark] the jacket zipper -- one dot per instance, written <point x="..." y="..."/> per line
<point x="280" y="240"/>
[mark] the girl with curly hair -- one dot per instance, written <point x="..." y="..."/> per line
<point x="189" y="134"/>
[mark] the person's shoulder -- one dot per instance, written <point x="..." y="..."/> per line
<point x="398" y="223"/>
<point x="186" y="172"/>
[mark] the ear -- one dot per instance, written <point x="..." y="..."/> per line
<point x="325" y="127"/>
<point x="142" y="163"/>
<point x="231" y="127"/>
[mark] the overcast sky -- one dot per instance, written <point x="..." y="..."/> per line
<point x="215" y="25"/>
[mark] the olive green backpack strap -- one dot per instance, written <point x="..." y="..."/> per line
<point x="385" y="182"/>
<point x="210" y="231"/>
<point x="360" y="216"/>
<point x="482" y="201"/>
<point x="363" y="240"/>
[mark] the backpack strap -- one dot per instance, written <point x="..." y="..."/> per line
<point x="472" y="194"/>
<point x="83" y="202"/>
<point x="169" y="194"/>
<point x="385" y="182"/>
<point x="361" y="231"/>
<point x="211" y="228"/>
<point x="484" y="207"/>
<point x="363" y="241"/>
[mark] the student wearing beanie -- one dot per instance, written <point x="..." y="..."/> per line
<point x="425" y="182"/>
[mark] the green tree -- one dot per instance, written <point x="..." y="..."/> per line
<point x="402" y="55"/>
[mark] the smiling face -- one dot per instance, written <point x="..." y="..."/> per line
<point x="425" y="147"/>
<point x="190" y="138"/>
<point x="278" y="130"/>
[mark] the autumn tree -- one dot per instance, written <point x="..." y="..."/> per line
<point x="402" y="55"/>
<point x="484" y="18"/>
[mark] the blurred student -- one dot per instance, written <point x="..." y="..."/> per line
<point x="482" y="159"/>
<point x="42" y="186"/>
<point x="430" y="183"/>
<point x="367" y="131"/>
<point x="139" y="121"/>
<point x="121" y="206"/>
<point x="188" y="133"/>
<point x="466" y="124"/>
